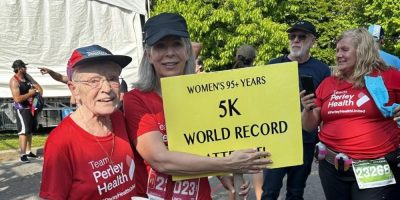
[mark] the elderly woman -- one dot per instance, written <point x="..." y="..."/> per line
<point x="355" y="135"/>
<point x="168" y="52"/>
<point x="88" y="155"/>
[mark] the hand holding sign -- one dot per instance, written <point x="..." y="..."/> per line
<point x="248" y="161"/>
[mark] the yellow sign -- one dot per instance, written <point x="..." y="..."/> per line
<point x="213" y="114"/>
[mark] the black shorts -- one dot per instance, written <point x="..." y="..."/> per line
<point x="26" y="123"/>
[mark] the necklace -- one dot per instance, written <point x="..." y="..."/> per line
<point x="109" y="156"/>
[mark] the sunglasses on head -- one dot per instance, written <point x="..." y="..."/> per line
<point x="301" y="37"/>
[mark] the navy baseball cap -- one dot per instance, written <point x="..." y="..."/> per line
<point x="303" y="26"/>
<point x="94" y="53"/>
<point x="18" y="64"/>
<point x="162" y="25"/>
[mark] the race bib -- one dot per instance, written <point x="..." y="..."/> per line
<point x="186" y="189"/>
<point x="156" y="185"/>
<point x="373" y="173"/>
<point x="183" y="190"/>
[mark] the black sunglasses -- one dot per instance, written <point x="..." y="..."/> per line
<point x="301" y="37"/>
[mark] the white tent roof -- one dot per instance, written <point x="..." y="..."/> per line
<point x="45" y="32"/>
<point x="137" y="6"/>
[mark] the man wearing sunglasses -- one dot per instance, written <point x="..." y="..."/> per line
<point x="302" y="36"/>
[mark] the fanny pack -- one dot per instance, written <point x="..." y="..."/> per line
<point x="341" y="161"/>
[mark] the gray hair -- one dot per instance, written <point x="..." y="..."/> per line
<point x="147" y="78"/>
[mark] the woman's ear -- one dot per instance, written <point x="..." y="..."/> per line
<point x="74" y="90"/>
<point x="147" y="54"/>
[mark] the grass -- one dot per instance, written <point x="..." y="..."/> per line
<point x="9" y="140"/>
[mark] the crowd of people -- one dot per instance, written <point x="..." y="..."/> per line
<point x="350" y="122"/>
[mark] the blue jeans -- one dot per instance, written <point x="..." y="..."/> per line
<point x="296" y="177"/>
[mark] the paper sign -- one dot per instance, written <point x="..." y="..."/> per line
<point x="213" y="114"/>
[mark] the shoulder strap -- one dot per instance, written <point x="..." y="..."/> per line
<point x="17" y="78"/>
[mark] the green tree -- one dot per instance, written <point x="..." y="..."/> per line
<point x="222" y="26"/>
<point x="387" y="14"/>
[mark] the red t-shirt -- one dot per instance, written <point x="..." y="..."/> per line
<point x="76" y="166"/>
<point x="144" y="113"/>
<point x="352" y="123"/>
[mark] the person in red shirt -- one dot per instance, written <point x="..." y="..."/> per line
<point x="355" y="135"/>
<point x="168" y="52"/>
<point x="88" y="155"/>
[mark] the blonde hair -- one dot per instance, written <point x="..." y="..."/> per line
<point x="367" y="56"/>
<point x="147" y="78"/>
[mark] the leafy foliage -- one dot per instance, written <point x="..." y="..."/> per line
<point x="387" y="14"/>
<point x="223" y="25"/>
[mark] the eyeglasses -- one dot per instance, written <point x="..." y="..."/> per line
<point x="301" y="37"/>
<point x="97" y="82"/>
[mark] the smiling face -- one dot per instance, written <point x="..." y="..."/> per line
<point x="96" y="86"/>
<point x="346" y="56"/>
<point x="168" y="56"/>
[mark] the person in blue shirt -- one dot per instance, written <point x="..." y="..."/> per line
<point x="379" y="34"/>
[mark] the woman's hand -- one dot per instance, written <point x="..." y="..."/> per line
<point x="307" y="101"/>
<point x="248" y="161"/>
<point x="228" y="183"/>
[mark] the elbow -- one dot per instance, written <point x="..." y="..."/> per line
<point x="159" y="164"/>
<point x="307" y="129"/>
<point x="309" y="121"/>
<point x="19" y="100"/>
<point x="308" y="125"/>
<point x="160" y="168"/>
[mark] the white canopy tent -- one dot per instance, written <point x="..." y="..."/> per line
<point x="45" y="32"/>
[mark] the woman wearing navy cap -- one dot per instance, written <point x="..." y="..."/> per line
<point x="168" y="52"/>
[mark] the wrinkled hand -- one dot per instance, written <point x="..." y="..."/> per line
<point x="248" y="161"/>
<point x="307" y="101"/>
<point x="228" y="183"/>
<point x="44" y="70"/>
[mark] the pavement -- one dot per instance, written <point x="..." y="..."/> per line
<point x="22" y="180"/>
<point x="19" y="180"/>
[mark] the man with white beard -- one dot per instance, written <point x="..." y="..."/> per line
<point x="302" y="36"/>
